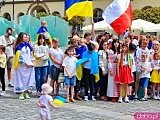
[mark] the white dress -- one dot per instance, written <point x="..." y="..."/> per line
<point x="24" y="76"/>
<point x="113" y="88"/>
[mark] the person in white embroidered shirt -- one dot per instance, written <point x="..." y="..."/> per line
<point x="145" y="74"/>
<point x="8" y="41"/>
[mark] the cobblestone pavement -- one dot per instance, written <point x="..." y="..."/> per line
<point x="13" y="108"/>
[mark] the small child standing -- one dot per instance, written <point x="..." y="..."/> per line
<point x="155" y="77"/>
<point x="145" y="74"/>
<point x="45" y="101"/>
<point x="125" y="61"/>
<point x="2" y="68"/>
<point x="69" y="64"/>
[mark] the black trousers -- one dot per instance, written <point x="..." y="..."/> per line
<point x="104" y="83"/>
<point x="89" y="81"/>
<point x="2" y="73"/>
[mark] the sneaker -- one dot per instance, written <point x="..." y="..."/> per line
<point x="126" y="100"/>
<point x="143" y="99"/>
<point x="158" y="97"/>
<point x="85" y="98"/>
<point x="38" y="94"/>
<point x="10" y="85"/>
<point x="21" y="97"/>
<point x="27" y="96"/>
<point x="155" y="97"/>
<point x="135" y="97"/>
<point x="120" y="100"/>
<point x="93" y="98"/>
<point x="3" y="93"/>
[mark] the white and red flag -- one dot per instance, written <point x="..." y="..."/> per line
<point x="119" y="15"/>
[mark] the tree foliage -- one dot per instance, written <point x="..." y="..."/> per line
<point x="136" y="13"/>
<point x="76" y="20"/>
<point x="149" y="14"/>
<point x="41" y="14"/>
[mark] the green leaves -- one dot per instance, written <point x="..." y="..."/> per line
<point x="151" y="14"/>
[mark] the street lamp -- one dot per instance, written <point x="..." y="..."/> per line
<point x="2" y="3"/>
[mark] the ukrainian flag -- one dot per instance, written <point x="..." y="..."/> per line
<point x="79" y="8"/>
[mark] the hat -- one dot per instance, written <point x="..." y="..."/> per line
<point x="55" y="40"/>
<point x="46" y="88"/>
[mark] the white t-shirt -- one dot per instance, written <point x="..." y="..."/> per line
<point x="155" y="64"/>
<point x="70" y="64"/>
<point x="41" y="51"/>
<point x="45" y="100"/>
<point x="146" y="74"/>
<point x="134" y="63"/>
<point x="58" y="55"/>
<point x="5" y="41"/>
<point x="139" y="54"/>
<point x="125" y="61"/>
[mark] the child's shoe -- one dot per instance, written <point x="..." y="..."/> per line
<point x="126" y="100"/>
<point x="143" y="99"/>
<point x="155" y="97"/>
<point x="3" y="93"/>
<point x="93" y="98"/>
<point x="158" y="97"/>
<point x="27" y="96"/>
<point x="21" y="97"/>
<point x="120" y="100"/>
<point x="85" y="98"/>
<point x="136" y="97"/>
<point x="72" y="100"/>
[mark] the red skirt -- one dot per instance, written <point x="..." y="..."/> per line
<point x="125" y="76"/>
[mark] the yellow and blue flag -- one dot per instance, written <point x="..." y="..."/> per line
<point x="79" y="8"/>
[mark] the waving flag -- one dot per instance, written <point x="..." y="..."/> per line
<point x="78" y="8"/>
<point x="119" y="15"/>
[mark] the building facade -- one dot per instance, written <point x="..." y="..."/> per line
<point x="13" y="9"/>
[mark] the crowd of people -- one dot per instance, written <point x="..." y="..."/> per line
<point x="104" y="66"/>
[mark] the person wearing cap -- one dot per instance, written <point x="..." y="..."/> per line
<point x="56" y="56"/>
<point x="45" y="101"/>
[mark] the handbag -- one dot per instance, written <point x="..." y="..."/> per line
<point x="61" y="77"/>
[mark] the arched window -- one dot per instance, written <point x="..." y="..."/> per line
<point x="7" y="16"/>
<point x="97" y="15"/>
<point x="19" y="15"/>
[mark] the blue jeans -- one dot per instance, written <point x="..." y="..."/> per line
<point x="40" y="76"/>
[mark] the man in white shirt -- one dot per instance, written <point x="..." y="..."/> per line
<point x="8" y="41"/>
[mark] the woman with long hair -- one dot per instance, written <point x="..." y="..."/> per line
<point x="112" y="89"/>
<point x="24" y="67"/>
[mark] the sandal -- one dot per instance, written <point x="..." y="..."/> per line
<point x="72" y="100"/>
<point x="78" y="98"/>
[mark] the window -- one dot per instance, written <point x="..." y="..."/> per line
<point x="97" y="15"/>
